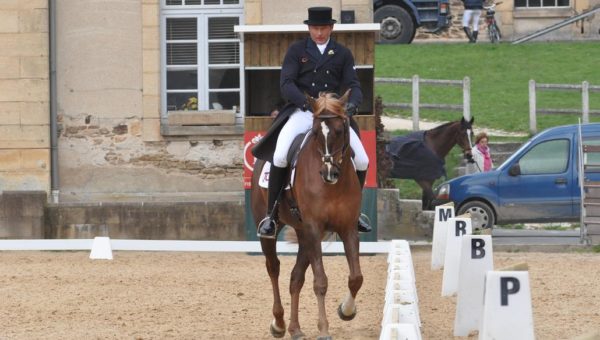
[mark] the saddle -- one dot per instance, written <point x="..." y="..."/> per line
<point x="292" y="159"/>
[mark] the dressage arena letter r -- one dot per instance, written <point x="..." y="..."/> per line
<point x="445" y="214"/>
<point x="477" y="248"/>
<point x="504" y="290"/>
<point x="460" y="228"/>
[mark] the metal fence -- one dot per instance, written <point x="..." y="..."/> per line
<point x="416" y="104"/>
<point x="585" y="111"/>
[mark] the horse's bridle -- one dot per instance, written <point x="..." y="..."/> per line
<point x="328" y="157"/>
<point x="469" y="150"/>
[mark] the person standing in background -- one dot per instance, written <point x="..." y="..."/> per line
<point x="481" y="153"/>
<point x="471" y="16"/>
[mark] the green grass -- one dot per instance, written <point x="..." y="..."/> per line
<point x="499" y="75"/>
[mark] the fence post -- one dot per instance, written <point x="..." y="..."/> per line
<point x="585" y="102"/>
<point x="467" y="98"/>
<point x="415" y="102"/>
<point x="532" y="107"/>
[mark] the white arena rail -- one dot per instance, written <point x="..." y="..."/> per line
<point x="172" y="245"/>
<point x="401" y="318"/>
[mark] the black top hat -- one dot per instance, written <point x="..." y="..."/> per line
<point x="319" y="16"/>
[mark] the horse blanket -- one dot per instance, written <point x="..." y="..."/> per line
<point x="413" y="159"/>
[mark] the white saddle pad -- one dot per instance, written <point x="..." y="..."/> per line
<point x="263" y="181"/>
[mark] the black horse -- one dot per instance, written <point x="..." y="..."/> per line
<point x="420" y="155"/>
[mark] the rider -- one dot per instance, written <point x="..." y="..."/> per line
<point x="312" y="65"/>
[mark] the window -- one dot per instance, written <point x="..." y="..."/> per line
<point x="541" y="3"/>
<point x="201" y="55"/>
<point x="550" y="157"/>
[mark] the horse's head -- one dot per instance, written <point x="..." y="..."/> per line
<point x="463" y="138"/>
<point x="330" y="130"/>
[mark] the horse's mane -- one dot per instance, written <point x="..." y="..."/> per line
<point x="330" y="103"/>
<point x="439" y="129"/>
<point x="443" y="126"/>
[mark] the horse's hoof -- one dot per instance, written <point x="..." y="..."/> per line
<point x="298" y="336"/>
<point x="346" y="317"/>
<point x="276" y="332"/>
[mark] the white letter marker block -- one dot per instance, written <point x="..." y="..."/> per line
<point x="457" y="227"/>
<point x="476" y="259"/>
<point x="507" y="310"/>
<point x="440" y="225"/>
<point x="101" y="249"/>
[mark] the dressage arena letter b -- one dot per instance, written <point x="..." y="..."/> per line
<point x="477" y="248"/>
<point x="476" y="259"/>
<point x="505" y="291"/>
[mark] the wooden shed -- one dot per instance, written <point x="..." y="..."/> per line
<point x="264" y="47"/>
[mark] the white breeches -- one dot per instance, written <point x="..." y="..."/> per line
<point x="300" y="122"/>
<point x="471" y="15"/>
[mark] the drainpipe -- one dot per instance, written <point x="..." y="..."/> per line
<point x="53" y="121"/>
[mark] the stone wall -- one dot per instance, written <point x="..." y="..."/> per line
<point x="110" y="142"/>
<point x="402" y="219"/>
<point x="277" y="12"/>
<point x="148" y="221"/>
<point x="26" y="215"/>
<point x="22" y="214"/>
<point x="24" y="96"/>
<point x="516" y="23"/>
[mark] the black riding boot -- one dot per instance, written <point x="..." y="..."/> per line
<point x="475" y="33"/>
<point x="267" y="228"/>
<point x="363" y="224"/>
<point x="469" y="35"/>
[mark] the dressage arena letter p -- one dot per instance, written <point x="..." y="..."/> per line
<point x="507" y="310"/>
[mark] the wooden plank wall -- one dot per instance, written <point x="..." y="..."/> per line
<point x="268" y="49"/>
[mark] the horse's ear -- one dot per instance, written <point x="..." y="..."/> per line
<point x="465" y="124"/>
<point x="344" y="98"/>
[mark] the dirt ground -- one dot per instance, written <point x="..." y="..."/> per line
<point x="144" y="295"/>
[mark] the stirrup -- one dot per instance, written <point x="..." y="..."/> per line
<point x="364" y="224"/>
<point x="267" y="228"/>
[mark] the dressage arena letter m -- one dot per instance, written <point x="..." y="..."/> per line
<point x="445" y="214"/>
<point x="505" y="291"/>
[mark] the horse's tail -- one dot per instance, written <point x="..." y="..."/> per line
<point x="289" y="235"/>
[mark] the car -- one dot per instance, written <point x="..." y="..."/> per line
<point x="539" y="183"/>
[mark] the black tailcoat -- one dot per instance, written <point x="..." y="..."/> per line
<point x="306" y="70"/>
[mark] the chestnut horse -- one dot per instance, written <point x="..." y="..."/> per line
<point x="327" y="197"/>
